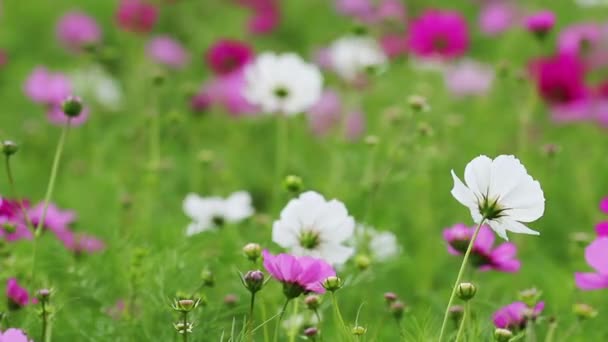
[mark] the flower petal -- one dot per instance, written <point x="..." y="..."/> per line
<point x="591" y="281"/>
<point x="461" y="193"/>
<point x="596" y="255"/>
<point x="477" y="175"/>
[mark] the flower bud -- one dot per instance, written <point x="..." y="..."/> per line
<point x="254" y="280"/>
<point x="466" y="291"/>
<point x="551" y="150"/>
<point x="72" y="106"/>
<point x="584" y="311"/>
<point x="359" y="330"/>
<point x="425" y="130"/>
<point x="530" y="296"/>
<point x="208" y="278"/>
<point x="252" y="251"/>
<point x="44" y="295"/>
<point x="502" y="335"/>
<point x="371" y="140"/>
<point x="311" y="332"/>
<point x="390" y="297"/>
<point x="231" y="300"/>
<point x="312" y="302"/>
<point x="418" y="103"/>
<point x="455" y="313"/>
<point x="293" y="184"/>
<point x="9" y="147"/>
<point x="397" y="309"/>
<point x="183" y="328"/>
<point x="362" y="262"/>
<point x="332" y="283"/>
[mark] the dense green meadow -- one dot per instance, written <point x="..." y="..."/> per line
<point x="126" y="173"/>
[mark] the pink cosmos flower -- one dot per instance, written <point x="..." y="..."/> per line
<point x="468" y="77"/>
<point x="394" y="45"/>
<point x="439" y="33"/>
<point x="298" y="274"/>
<point x="56" y="220"/>
<point x="76" y="30"/>
<point x="12" y="224"/>
<point x="360" y="9"/>
<point x="17" y="295"/>
<point x="201" y="101"/>
<point x="540" y="23"/>
<point x="354" y="125"/>
<point x="560" y="79"/>
<point x="136" y="15"/>
<point x="588" y="41"/>
<point x="602" y="228"/>
<point x="497" y="17"/>
<point x="266" y="15"/>
<point x="501" y="258"/>
<point x="391" y="11"/>
<point x="604" y="205"/>
<point x="167" y="51"/>
<point x="226" y="56"/>
<point x="325" y="114"/>
<point x="80" y="243"/>
<point x="227" y="92"/>
<point x="513" y="316"/>
<point x="14" y="335"/>
<point x="596" y="255"/>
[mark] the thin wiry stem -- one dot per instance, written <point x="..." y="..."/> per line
<point x="278" y="325"/>
<point x="11" y="182"/>
<point x="462" y="322"/>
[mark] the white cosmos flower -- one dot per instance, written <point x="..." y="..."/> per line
<point x="282" y="83"/>
<point x="310" y="225"/>
<point x="352" y="55"/>
<point x="210" y="212"/>
<point x="381" y="245"/>
<point x="502" y="192"/>
<point x="97" y="85"/>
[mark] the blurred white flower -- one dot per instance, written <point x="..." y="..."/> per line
<point x="310" y="225"/>
<point x="501" y="192"/>
<point x="351" y="56"/>
<point x="210" y="212"/>
<point x="381" y="245"/>
<point x="468" y="77"/>
<point x="298" y="321"/>
<point x="96" y="85"/>
<point x="283" y="83"/>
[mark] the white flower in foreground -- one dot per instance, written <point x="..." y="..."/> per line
<point x="310" y="225"/>
<point x="501" y="192"/>
<point x="282" y="83"/>
<point x="353" y="55"/>
<point x="210" y="212"/>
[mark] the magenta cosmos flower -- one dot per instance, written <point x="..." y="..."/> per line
<point x="76" y="30"/>
<point x="298" y="274"/>
<point x="14" y="335"/>
<point x="226" y="56"/>
<point x="266" y="15"/>
<point x="602" y="227"/>
<point x="540" y="23"/>
<point x="483" y="256"/>
<point x="596" y="255"/>
<point x="439" y="33"/>
<point x="167" y="51"/>
<point x="12" y="224"/>
<point x="588" y="41"/>
<point x="515" y="315"/>
<point x="497" y="17"/>
<point x="136" y="15"/>
<point x="56" y="219"/>
<point x="17" y="295"/>
<point x="225" y="91"/>
<point x="560" y="79"/>
<point x="80" y="243"/>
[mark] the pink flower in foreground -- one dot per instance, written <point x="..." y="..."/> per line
<point x="468" y="77"/>
<point x="80" y="243"/>
<point x="14" y="335"/>
<point x="560" y="79"/>
<point x="56" y="220"/>
<point x="226" y="56"/>
<point x="298" y="274"/>
<point x="439" y="33"/>
<point x="17" y="295"/>
<point x="497" y="17"/>
<point x="483" y="256"/>
<point x="167" y="51"/>
<point x="136" y="15"/>
<point x="540" y="23"/>
<point x="76" y="30"/>
<point x="514" y="316"/>
<point x="596" y="255"/>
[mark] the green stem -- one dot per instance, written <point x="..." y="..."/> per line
<point x="338" y="314"/>
<point x="50" y="188"/>
<point x="281" y="152"/>
<point x="11" y="182"/>
<point x="185" y="326"/>
<point x="155" y="132"/>
<point x="551" y="333"/>
<point x="458" y="279"/>
<point x="250" y="321"/>
<point x="316" y="311"/>
<point x="530" y="335"/>
<point x="462" y="322"/>
<point x="293" y="330"/>
<point x="278" y="325"/>
<point x="46" y="326"/>
<point x="571" y="331"/>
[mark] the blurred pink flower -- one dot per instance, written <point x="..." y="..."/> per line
<point x="227" y="91"/>
<point x="56" y="220"/>
<point x="540" y="23"/>
<point x="117" y="310"/>
<point x="391" y="11"/>
<point x="439" y="33"/>
<point x="47" y="88"/>
<point x="588" y="41"/>
<point x="266" y="15"/>
<point x="604" y="205"/>
<point x="596" y="255"/>
<point x="513" y="316"/>
<point x="468" y="77"/>
<point x="56" y="116"/>
<point x="80" y="243"/>
<point x="362" y="10"/>
<point x="394" y="44"/>
<point x="226" y="56"/>
<point x="298" y="274"/>
<point x="501" y="258"/>
<point x="497" y="17"/>
<point x="17" y="295"/>
<point x="325" y="114"/>
<point x="201" y="101"/>
<point x="137" y="16"/>
<point x="322" y="58"/>
<point x="167" y="51"/>
<point x="602" y="228"/>
<point x="14" y="229"/>
<point x="76" y="30"/>
<point x="354" y="125"/>
<point x="560" y="79"/>
<point x="14" y="335"/>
